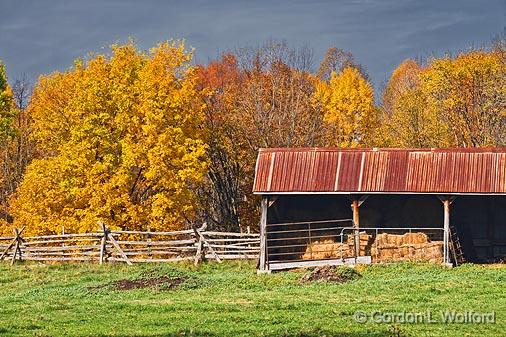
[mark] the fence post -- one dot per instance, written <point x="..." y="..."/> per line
<point x="17" y="249"/>
<point x="116" y="246"/>
<point x="199" y="255"/>
<point x="148" y="240"/>
<point x="63" y="241"/>
<point x="103" y="242"/>
<point x="205" y="244"/>
<point x="15" y="241"/>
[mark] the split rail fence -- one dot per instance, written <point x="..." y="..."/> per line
<point x="107" y="245"/>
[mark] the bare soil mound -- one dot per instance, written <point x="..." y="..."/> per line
<point x="336" y="274"/>
<point x="161" y="283"/>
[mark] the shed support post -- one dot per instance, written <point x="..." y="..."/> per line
<point x="446" y="200"/>
<point x="446" y="205"/>
<point x="356" y="224"/>
<point x="356" y="202"/>
<point x="262" y="263"/>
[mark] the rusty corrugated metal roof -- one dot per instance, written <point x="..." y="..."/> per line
<point x="458" y="170"/>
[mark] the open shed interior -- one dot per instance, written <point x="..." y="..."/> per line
<point x="478" y="221"/>
<point x="381" y="205"/>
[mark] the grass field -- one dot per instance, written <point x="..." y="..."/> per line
<point x="229" y="299"/>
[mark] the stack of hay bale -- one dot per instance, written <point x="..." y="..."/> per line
<point x="385" y="248"/>
<point x="324" y="249"/>
<point x="328" y="249"/>
<point x="364" y="248"/>
<point x="407" y="247"/>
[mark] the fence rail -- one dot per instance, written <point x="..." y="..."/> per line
<point x="129" y="247"/>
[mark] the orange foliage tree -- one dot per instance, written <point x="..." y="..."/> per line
<point x="263" y="97"/>
<point x="256" y="97"/>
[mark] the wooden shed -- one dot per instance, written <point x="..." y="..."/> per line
<point x="335" y="206"/>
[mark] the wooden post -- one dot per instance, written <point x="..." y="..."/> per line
<point x="63" y="240"/>
<point x="114" y="244"/>
<point x="148" y="240"/>
<point x="356" y="224"/>
<point x="262" y="265"/>
<point x="119" y="250"/>
<point x="206" y="244"/>
<point x="16" y="241"/>
<point x="17" y="248"/>
<point x="446" y="228"/>
<point x="200" y="254"/>
<point x="103" y="242"/>
<point x="446" y="200"/>
<point x="6" y="250"/>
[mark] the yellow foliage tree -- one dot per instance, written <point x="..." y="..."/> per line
<point x="406" y="120"/>
<point x="6" y="106"/>
<point x="347" y="101"/>
<point x="121" y="142"/>
<point x="7" y="114"/>
<point x="467" y="93"/>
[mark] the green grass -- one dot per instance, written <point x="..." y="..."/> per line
<point x="229" y="299"/>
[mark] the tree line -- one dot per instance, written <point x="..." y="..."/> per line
<point x="147" y="139"/>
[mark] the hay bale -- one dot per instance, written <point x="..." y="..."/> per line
<point x="325" y="249"/>
<point x="364" y="248"/>
<point x="434" y="251"/>
<point x="364" y="239"/>
<point x="381" y="239"/>
<point x="407" y="247"/>
<point x="415" y="238"/>
<point x="388" y="239"/>
<point x="387" y="252"/>
<point x="406" y="252"/>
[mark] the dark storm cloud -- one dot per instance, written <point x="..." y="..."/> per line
<point x="38" y="37"/>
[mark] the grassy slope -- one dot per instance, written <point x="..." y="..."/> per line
<point x="230" y="299"/>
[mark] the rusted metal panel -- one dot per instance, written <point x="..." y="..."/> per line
<point x="398" y="162"/>
<point x="262" y="171"/>
<point x="381" y="170"/>
<point x="349" y="174"/>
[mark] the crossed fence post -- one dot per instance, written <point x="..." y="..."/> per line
<point x="16" y="242"/>
<point x="103" y="245"/>
<point x="202" y="244"/>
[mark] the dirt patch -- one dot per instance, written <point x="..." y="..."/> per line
<point x="162" y="283"/>
<point x="330" y="274"/>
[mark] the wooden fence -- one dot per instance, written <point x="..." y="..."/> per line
<point x="108" y="245"/>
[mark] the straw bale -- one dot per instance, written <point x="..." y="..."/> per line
<point x="414" y="238"/>
<point x="325" y="249"/>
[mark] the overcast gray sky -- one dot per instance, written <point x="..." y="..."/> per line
<point x="38" y="37"/>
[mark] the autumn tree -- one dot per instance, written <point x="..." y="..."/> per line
<point x="7" y="112"/>
<point x="7" y="131"/>
<point x="452" y="101"/>
<point x="468" y="93"/>
<point x="347" y="101"/>
<point x="258" y="97"/>
<point x="275" y="106"/>
<point x="17" y="149"/>
<point x="222" y="195"/>
<point x="335" y="61"/>
<point x="405" y="120"/>
<point x="121" y="141"/>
